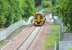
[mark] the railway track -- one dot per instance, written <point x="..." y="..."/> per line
<point x="30" y="39"/>
<point x="24" y="40"/>
<point x="26" y="45"/>
<point x="18" y="40"/>
<point x="37" y="43"/>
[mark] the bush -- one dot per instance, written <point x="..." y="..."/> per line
<point x="2" y="21"/>
<point x="64" y="10"/>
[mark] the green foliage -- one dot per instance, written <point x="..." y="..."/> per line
<point x="64" y="9"/>
<point x="70" y="49"/>
<point x="53" y="37"/>
<point x="29" y="8"/>
<point x="3" y="12"/>
<point x="2" y="21"/>
<point x="47" y="4"/>
<point x="13" y="10"/>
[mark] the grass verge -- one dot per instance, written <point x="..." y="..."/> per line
<point x="52" y="37"/>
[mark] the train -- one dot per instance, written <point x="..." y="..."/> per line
<point x="39" y="19"/>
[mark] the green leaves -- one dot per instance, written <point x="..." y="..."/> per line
<point x="47" y="4"/>
<point x="29" y="8"/>
<point x="64" y="10"/>
<point x="13" y="10"/>
<point x="3" y="12"/>
<point x="2" y="21"/>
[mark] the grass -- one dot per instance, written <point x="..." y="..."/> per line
<point x="52" y="37"/>
<point x="70" y="49"/>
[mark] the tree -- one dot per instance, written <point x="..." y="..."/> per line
<point x="64" y="10"/>
<point x="3" y="12"/>
<point x="29" y="8"/>
<point x="14" y="10"/>
<point x="47" y="4"/>
<point x="2" y="21"/>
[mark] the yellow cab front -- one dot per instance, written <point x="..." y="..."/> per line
<point x="39" y="20"/>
